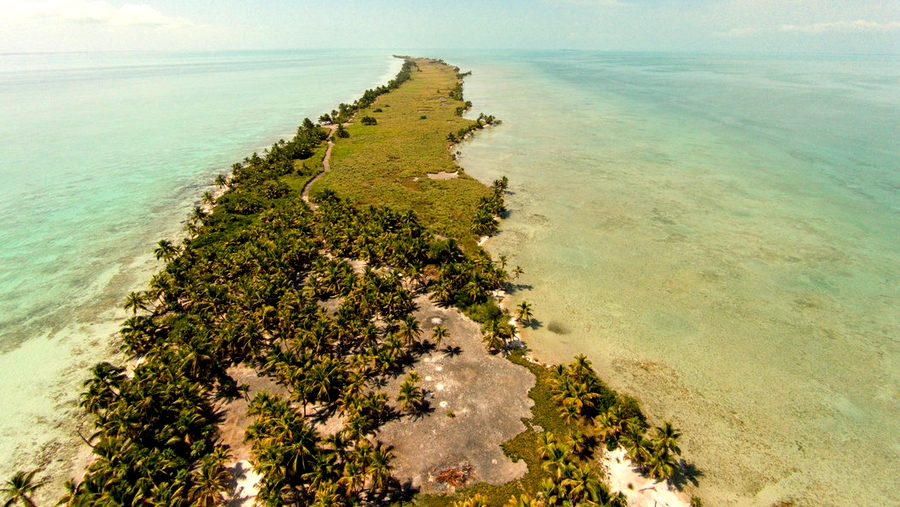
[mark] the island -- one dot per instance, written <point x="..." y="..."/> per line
<point x="330" y="332"/>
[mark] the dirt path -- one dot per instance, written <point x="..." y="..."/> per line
<point x="326" y="164"/>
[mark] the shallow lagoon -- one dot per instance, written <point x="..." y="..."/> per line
<point x="720" y="235"/>
<point x="103" y="155"/>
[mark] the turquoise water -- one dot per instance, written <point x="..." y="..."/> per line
<point x="103" y="155"/>
<point x="721" y="236"/>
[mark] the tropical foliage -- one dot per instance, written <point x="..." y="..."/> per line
<point x="249" y="285"/>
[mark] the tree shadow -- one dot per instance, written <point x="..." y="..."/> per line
<point x="686" y="473"/>
<point x="513" y="288"/>
<point x="452" y="351"/>
<point x="423" y="408"/>
<point x="534" y="324"/>
<point x="591" y="442"/>
<point x="424" y="347"/>
<point x="235" y="495"/>
<point x="321" y="413"/>
<point x="407" y="492"/>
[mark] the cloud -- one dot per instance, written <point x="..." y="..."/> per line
<point x="96" y="11"/>
<point x="857" y="26"/>
<point x="736" y="33"/>
<point x="594" y="3"/>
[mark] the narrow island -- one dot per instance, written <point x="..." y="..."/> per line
<point x="330" y="333"/>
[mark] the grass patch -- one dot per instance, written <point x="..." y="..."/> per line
<point x="388" y="164"/>
<point x="306" y="169"/>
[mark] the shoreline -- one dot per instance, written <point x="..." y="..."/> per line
<point x="622" y="474"/>
<point x="76" y="333"/>
<point x="237" y="178"/>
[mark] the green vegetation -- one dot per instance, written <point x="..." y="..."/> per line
<point x="263" y="281"/>
<point x="389" y="165"/>
<point x="19" y="489"/>
<point x="562" y="439"/>
<point x="246" y="287"/>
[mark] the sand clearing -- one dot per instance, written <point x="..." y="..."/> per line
<point x="245" y="485"/>
<point x="443" y="175"/>
<point x="641" y="491"/>
<point x="486" y="394"/>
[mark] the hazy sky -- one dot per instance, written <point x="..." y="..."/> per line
<point x="858" y="26"/>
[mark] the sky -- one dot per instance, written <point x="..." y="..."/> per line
<point x="783" y="26"/>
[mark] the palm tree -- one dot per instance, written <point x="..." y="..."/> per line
<point x="632" y="439"/>
<point x="580" y="444"/>
<point x="197" y="214"/>
<point x="612" y="424"/>
<point x="410" y="395"/>
<point x="135" y="301"/>
<point x="71" y="497"/>
<point x="438" y="333"/>
<point x="583" y="484"/>
<point x="209" y="483"/>
<point x="551" y="492"/>
<point x="517" y="271"/>
<point x="666" y="439"/>
<point x="492" y="338"/>
<point x="409" y="331"/>
<point x="556" y="460"/>
<point x="523" y="312"/>
<point x="379" y="467"/>
<point x="524" y="500"/>
<point x="19" y="488"/>
<point x="165" y="250"/>
<point x="442" y="292"/>
<point x="581" y="366"/>
<point x="475" y="501"/>
<point x="353" y="477"/>
<point x="661" y="466"/>
<point x="545" y="440"/>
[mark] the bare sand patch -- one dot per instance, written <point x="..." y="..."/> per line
<point x="443" y="175"/>
<point x="234" y="424"/>
<point x="641" y="491"/>
<point x="486" y="394"/>
<point x="475" y="402"/>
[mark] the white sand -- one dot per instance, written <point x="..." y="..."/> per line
<point x="245" y="490"/>
<point x="443" y="175"/>
<point x="641" y="491"/>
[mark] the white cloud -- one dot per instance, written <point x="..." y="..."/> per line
<point x="857" y="26"/>
<point x="96" y="11"/>
<point x="143" y="14"/>
<point x="594" y="3"/>
<point x="736" y="33"/>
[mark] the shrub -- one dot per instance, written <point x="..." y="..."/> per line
<point x="484" y="312"/>
<point x="368" y="120"/>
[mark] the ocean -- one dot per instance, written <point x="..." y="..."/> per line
<point x="104" y="154"/>
<point x="720" y="235"/>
